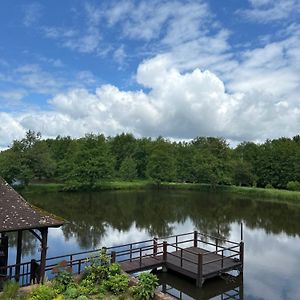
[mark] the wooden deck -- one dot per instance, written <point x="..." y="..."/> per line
<point x="194" y="254"/>
<point x="192" y="261"/>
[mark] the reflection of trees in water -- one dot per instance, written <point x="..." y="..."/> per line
<point x="90" y="214"/>
<point x="29" y="242"/>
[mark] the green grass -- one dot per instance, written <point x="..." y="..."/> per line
<point x="253" y="192"/>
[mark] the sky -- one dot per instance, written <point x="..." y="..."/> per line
<point x="178" y="69"/>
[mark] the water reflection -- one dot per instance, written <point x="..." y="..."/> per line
<point x="227" y="287"/>
<point x="271" y="231"/>
<point x="89" y="215"/>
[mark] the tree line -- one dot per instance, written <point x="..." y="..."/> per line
<point x="86" y="161"/>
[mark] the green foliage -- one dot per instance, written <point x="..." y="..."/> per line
<point x="98" y="268"/>
<point x="87" y="163"/>
<point x="269" y="186"/>
<point x="293" y="186"/>
<point x="63" y="278"/>
<point x="145" y="289"/>
<point x="117" y="284"/>
<point x="128" y="169"/>
<point x="43" y="292"/>
<point x="10" y="290"/>
<point x="82" y="297"/>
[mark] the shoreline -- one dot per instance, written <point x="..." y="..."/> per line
<point x="261" y="193"/>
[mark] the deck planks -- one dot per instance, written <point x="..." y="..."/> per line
<point x="210" y="267"/>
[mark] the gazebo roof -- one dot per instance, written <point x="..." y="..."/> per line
<point x="18" y="214"/>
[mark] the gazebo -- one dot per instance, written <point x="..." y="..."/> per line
<point x="17" y="215"/>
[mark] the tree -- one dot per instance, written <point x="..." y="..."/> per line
<point x="128" y="169"/>
<point x="92" y="161"/>
<point x="161" y="164"/>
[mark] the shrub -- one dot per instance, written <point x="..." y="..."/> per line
<point x="10" y="290"/>
<point x="71" y="292"/>
<point x="145" y="289"/>
<point x="82" y="298"/>
<point x="293" y="186"/>
<point x="98" y="268"/>
<point x="114" y="269"/>
<point x="63" y="277"/>
<point x="117" y="284"/>
<point x="269" y="186"/>
<point x="43" y="292"/>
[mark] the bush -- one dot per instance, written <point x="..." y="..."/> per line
<point x="10" y="290"/>
<point x="63" y="277"/>
<point x="98" y="268"/>
<point x="117" y="284"/>
<point x="269" y="186"/>
<point x="146" y="287"/>
<point x="43" y="292"/>
<point x="293" y="186"/>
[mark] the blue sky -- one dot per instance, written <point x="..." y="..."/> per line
<point x="174" y="68"/>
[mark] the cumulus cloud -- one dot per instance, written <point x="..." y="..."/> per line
<point x="265" y="11"/>
<point x="178" y="105"/>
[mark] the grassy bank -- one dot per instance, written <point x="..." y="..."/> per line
<point x="261" y="193"/>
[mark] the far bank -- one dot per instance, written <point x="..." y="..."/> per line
<point x="247" y="192"/>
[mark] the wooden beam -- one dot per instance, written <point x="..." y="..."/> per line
<point x="36" y="235"/>
<point x="19" y="254"/>
<point x="44" y="233"/>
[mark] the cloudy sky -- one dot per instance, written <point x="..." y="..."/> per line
<point x="179" y="69"/>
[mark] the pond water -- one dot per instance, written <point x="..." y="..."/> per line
<point x="271" y="234"/>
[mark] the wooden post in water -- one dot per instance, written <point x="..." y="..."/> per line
<point x="242" y="255"/>
<point x="165" y="249"/>
<point x="200" y="271"/>
<point x="195" y="239"/>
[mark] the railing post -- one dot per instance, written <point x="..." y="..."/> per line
<point x="222" y="261"/>
<point x="130" y="255"/>
<point x="242" y="254"/>
<point x="154" y="246"/>
<point x="176" y="241"/>
<point x="195" y="239"/>
<point x="165" y="249"/>
<point x="79" y="266"/>
<point x="71" y="261"/>
<point x="113" y="257"/>
<point x="141" y="257"/>
<point x="217" y="242"/>
<point x="200" y="270"/>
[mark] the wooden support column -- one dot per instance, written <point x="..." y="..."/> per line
<point x="199" y="280"/>
<point x="3" y="255"/>
<point x="19" y="255"/>
<point x="44" y="233"/>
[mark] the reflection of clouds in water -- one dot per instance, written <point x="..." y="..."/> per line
<point x="272" y="264"/>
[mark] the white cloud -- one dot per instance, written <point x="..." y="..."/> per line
<point x="265" y="11"/>
<point x="179" y="105"/>
<point x="32" y="12"/>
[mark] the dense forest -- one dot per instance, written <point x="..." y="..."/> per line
<point x="89" y="160"/>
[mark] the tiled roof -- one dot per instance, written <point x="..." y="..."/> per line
<point x="16" y="213"/>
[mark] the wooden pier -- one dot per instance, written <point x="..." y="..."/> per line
<point x="195" y="261"/>
<point x="195" y="255"/>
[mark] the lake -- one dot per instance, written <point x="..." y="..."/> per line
<point x="271" y="234"/>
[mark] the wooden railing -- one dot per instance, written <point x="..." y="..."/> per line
<point x="155" y="248"/>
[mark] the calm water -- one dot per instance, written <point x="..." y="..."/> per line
<point x="271" y="234"/>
